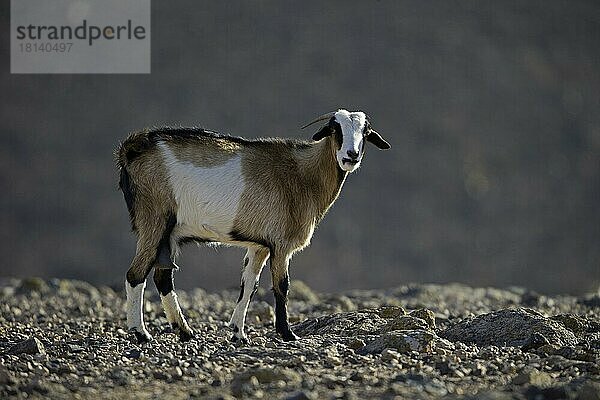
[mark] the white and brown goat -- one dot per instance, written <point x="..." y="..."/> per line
<point x="267" y="195"/>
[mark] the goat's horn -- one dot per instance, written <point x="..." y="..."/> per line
<point x="321" y="118"/>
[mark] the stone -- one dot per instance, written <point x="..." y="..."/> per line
<point x="589" y="391"/>
<point x="547" y="393"/>
<point x="573" y="323"/>
<point x="248" y="380"/>
<point x="509" y="327"/>
<point x="533" y="377"/>
<point x="343" y="303"/>
<point x="32" y="285"/>
<point x="356" y="343"/>
<point x="5" y="376"/>
<point x="29" y="346"/>
<point x="300" y="291"/>
<point x="347" y="324"/>
<point x="134" y="353"/>
<point x="426" y="315"/>
<point x="389" y="355"/>
<point x="591" y="301"/>
<point x="391" y="311"/>
<point x="404" y="323"/>
<point x="302" y="395"/>
<point x="262" y="312"/>
<point x="403" y="342"/>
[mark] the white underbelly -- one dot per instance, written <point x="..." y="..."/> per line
<point x="207" y="198"/>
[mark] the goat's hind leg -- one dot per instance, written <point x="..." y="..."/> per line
<point x="163" y="278"/>
<point x="153" y="240"/>
<point x="135" y="285"/>
<point x="254" y="262"/>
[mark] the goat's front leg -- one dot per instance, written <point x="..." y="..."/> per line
<point x="281" y="284"/>
<point x="254" y="261"/>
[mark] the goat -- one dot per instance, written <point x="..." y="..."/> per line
<point x="193" y="185"/>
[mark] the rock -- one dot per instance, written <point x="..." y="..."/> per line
<point x="342" y="303"/>
<point x="536" y="341"/>
<point x="5" y="376"/>
<point x="355" y="343"/>
<point x="426" y="315"/>
<point x="478" y="368"/>
<point x="389" y="355"/>
<point x="572" y="322"/>
<point x="32" y="285"/>
<point x="494" y="395"/>
<point x="379" y="351"/>
<point x="245" y="382"/>
<point x="405" y="341"/>
<point x="591" y="301"/>
<point x="533" y="377"/>
<point x="300" y="291"/>
<point x="29" y="346"/>
<point x="509" y="327"/>
<point x="391" y="311"/>
<point x="161" y="375"/>
<point x="120" y="376"/>
<point x="177" y="373"/>
<point x="302" y="395"/>
<point x="589" y="391"/>
<point x="134" y="353"/>
<point x="349" y="324"/>
<point x="266" y="375"/>
<point x="547" y="393"/>
<point x="66" y="287"/>
<point x="404" y="323"/>
<point x="262" y="312"/>
<point x="35" y="386"/>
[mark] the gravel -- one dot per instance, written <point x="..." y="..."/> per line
<point x="68" y="339"/>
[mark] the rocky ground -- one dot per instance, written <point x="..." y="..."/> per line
<point x="66" y="339"/>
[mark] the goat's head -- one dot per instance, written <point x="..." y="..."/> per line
<point x="350" y="130"/>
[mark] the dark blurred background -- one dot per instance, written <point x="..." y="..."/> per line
<point x="492" y="109"/>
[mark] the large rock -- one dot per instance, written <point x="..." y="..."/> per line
<point x="511" y="327"/>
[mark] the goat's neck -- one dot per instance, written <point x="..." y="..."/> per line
<point x="323" y="173"/>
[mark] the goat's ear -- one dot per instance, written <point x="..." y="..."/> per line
<point x="323" y="132"/>
<point x="377" y="140"/>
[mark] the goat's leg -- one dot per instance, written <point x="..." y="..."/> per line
<point x="281" y="284"/>
<point x="153" y="233"/>
<point x="135" y="285"/>
<point x="254" y="261"/>
<point x="163" y="278"/>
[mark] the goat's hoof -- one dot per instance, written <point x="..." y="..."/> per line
<point x="141" y="337"/>
<point x="289" y="336"/>
<point x="240" y="340"/>
<point x="185" y="333"/>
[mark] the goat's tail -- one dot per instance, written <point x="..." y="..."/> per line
<point x="132" y="147"/>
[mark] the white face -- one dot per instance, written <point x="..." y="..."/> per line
<point x="351" y="152"/>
